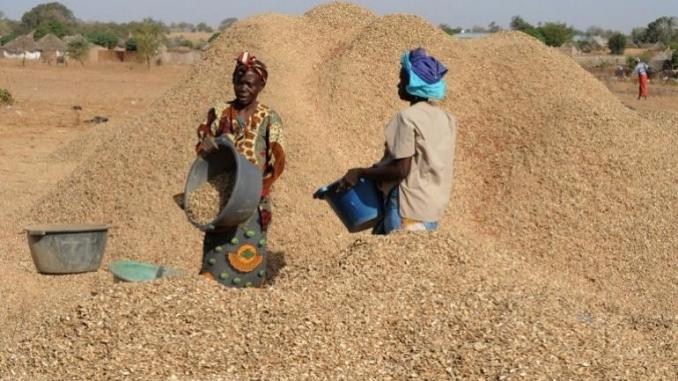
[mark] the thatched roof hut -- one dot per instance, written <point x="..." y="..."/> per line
<point x="51" y="43"/>
<point x="21" y="44"/>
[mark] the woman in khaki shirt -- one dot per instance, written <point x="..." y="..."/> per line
<point x="415" y="173"/>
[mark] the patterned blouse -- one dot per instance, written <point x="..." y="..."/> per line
<point x="260" y="139"/>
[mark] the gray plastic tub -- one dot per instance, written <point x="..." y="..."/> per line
<point x="246" y="194"/>
<point x="67" y="249"/>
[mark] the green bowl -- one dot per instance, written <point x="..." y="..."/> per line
<point x="132" y="271"/>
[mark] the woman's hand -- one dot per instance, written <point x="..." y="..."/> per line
<point x="206" y="142"/>
<point x="395" y="171"/>
<point x="350" y="179"/>
<point x="207" y="145"/>
<point x="206" y="129"/>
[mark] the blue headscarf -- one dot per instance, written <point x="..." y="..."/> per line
<point x="426" y="74"/>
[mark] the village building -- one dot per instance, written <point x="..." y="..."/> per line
<point x="22" y="47"/>
<point x="51" y="48"/>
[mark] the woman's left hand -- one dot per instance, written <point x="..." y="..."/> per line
<point x="350" y="179"/>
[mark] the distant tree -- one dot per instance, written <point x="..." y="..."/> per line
<point x="662" y="30"/>
<point x="103" y="38"/>
<point x="78" y="48"/>
<point x="7" y="26"/>
<point x="493" y="27"/>
<point x="7" y="38"/>
<point x="536" y="33"/>
<point x="131" y="44"/>
<point x="51" y="26"/>
<point x="135" y="25"/>
<point x="203" y="27"/>
<point x="639" y="35"/>
<point x="148" y="37"/>
<point x="101" y="33"/>
<point x="556" y="34"/>
<point x="617" y="44"/>
<point x="519" y="24"/>
<point x="673" y="61"/>
<point x="45" y="13"/>
<point x="449" y="30"/>
<point x="226" y="23"/>
<point x="607" y="33"/>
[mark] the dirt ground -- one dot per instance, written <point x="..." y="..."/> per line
<point x="42" y="117"/>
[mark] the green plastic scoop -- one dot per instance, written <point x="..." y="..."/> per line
<point x="132" y="271"/>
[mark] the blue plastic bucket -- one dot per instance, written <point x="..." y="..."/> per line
<point x="358" y="208"/>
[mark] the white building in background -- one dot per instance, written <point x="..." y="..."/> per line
<point x="22" y="47"/>
<point x="31" y="56"/>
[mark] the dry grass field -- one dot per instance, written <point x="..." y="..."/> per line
<point x="662" y="97"/>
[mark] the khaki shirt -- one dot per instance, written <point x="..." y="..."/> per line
<point x="427" y="134"/>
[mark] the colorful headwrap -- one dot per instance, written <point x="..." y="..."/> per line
<point x="247" y="61"/>
<point x="425" y="73"/>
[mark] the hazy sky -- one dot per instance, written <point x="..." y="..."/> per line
<point x="611" y="14"/>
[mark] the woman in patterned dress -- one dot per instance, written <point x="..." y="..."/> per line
<point x="236" y="256"/>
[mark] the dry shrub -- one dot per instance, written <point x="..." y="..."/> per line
<point x="5" y="97"/>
